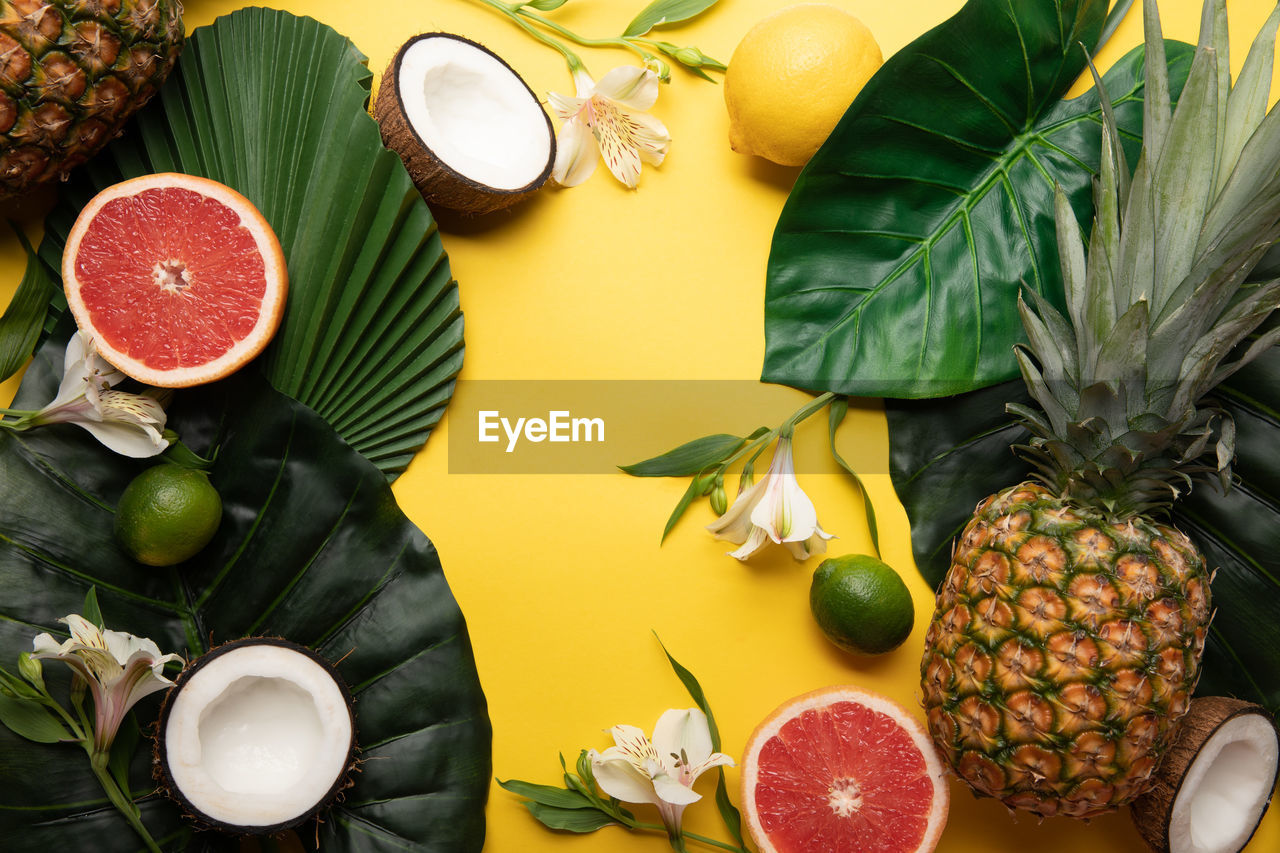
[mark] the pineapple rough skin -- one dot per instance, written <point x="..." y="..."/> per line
<point x="71" y="74"/>
<point x="1063" y="650"/>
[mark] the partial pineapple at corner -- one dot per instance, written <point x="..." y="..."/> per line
<point x="71" y="73"/>
<point x="1068" y="632"/>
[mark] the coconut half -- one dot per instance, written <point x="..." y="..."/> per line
<point x="256" y="736"/>
<point x="469" y="129"/>
<point x="1211" y="790"/>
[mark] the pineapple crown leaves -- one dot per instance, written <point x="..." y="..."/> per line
<point x="1160" y="305"/>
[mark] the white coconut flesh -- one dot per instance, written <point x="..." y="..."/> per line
<point x="1226" y="788"/>
<point x="257" y="736"/>
<point x="473" y="112"/>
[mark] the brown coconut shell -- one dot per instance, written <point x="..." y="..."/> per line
<point x="439" y="183"/>
<point x="164" y="778"/>
<point x="1153" y="811"/>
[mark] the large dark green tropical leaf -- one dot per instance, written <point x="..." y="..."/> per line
<point x="312" y="548"/>
<point x="897" y="259"/>
<point x="274" y="105"/>
<point x="947" y="454"/>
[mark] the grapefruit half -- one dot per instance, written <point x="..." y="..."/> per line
<point x="178" y="279"/>
<point x="843" y="770"/>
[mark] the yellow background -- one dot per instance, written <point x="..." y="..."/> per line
<point x="561" y="576"/>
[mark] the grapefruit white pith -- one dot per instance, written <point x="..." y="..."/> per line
<point x="178" y="279"/>
<point x="843" y="770"/>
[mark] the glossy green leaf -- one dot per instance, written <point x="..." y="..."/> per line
<point x="312" y="548"/>
<point x="689" y="458"/>
<point x="728" y="811"/>
<point x="274" y="105"/>
<point x="569" y="820"/>
<point x="835" y="416"/>
<point x="948" y="454"/>
<point x="898" y="257"/>
<point x="560" y="798"/>
<point x="24" y="317"/>
<point x="30" y="720"/>
<point x="661" y="12"/>
<point x="92" y="610"/>
<point x="681" y="505"/>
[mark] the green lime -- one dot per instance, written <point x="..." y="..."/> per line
<point x="167" y="514"/>
<point x="861" y="604"/>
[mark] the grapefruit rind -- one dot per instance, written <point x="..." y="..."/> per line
<point x="271" y="310"/>
<point x="823" y="698"/>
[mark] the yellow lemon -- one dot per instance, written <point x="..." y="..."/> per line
<point x="792" y="77"/>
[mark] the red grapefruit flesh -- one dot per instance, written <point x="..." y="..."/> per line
<point x="178" y="279"/>
<point x="843" y="770"/>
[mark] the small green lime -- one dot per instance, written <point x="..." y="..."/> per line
<point x="861" y="604"/>
<point x="167" y="514"/>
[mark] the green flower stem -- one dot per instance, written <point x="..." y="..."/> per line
<point x="118" y="798"/>
<point x="691" y="836"/>
<point x="814" y="406"/>
<point x="618" y="41"/>
<point x="23" y="419"/>
<point x="575" y="62"/>
<point x="757" y="446"/>
<point x="76" y="731"/>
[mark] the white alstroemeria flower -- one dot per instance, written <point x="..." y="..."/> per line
<point x="118" y="668"/>
<point x="608" y="116"/>
<point x="661" y="771"/>
<point x="776" y="509"/>
<point x="129" y="424"/>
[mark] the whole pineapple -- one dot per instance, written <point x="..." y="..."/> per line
<point x="1069" y="628"/>
<point x="71" y="73"/>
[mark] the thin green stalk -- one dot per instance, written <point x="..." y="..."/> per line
<point x="758" y="445"/>
<point x="692" y="836"/>
<point x="122" y="802"/>
<point x="814" y="406"/>
<point x="617" y="41"/>
<point x="570" y="57"/>
<point x="49" y="702"/>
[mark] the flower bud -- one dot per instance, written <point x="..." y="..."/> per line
<point x="689" y="56"/>
<point x="584" y="768"/>
<point x="573" y="783"/>
<point x="31" y="669"/>
<point x="719" y="500"/>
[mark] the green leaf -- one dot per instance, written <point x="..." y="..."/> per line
<point x="835" y="416"/>
<point x="29" y="719"/>
<point x="312" y="548"/>
<point x="1113" y="21"/>
<point x="662" y="12"/>
<point x="897" y="259"/>
<point x="546" y="5"/>
<point x="561" y="798"/>
<point x="24" y="318"/>
<point x="689" y="458"/>
<point x="683" y="504"/>
<point x="948" y="454"/>
<point x="91" y="610"/>
<point x="695" y="692"/>
<point x="569" y="820"/>
<point x="728" y="811"/>
<point x="274" y="105"/>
